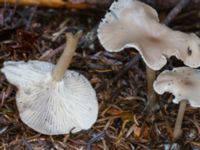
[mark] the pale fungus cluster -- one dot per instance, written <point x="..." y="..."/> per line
<point x="133" y="24"/>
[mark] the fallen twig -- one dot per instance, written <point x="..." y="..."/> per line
<point x="49" y="3"/>
<point x="177" y="9"/>
<point x="94" y="139"/>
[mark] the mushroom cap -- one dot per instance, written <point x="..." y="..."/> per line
<point x="52" y="107"/>
<point x="182" y="82"/>
<point x="133" y="24"/>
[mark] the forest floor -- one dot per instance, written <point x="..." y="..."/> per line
<point x="124" y="123"/>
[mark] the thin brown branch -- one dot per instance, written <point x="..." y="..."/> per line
<point x="176" y="10"/>
<point x="49" y="3"/>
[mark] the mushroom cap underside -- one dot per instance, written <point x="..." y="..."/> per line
<point x="51" y="107"/>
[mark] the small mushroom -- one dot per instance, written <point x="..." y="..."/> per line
<point x="50" y="99"/>
<point x="184" y="84"/>
<point x="133" y="24"/>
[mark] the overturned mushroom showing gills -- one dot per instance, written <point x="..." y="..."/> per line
<point x="51" y="100"/>
<point x="184" y="84"/>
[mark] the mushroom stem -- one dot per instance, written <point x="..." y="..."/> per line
<point x="177" y="129"/>
<point x="151" y="95"/>
<point x="65" y="58"/>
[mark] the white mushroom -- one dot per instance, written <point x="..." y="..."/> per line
<point x="131" y="23"/>
<point x="51" y="100"/>
<point x="184" y="84"/>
